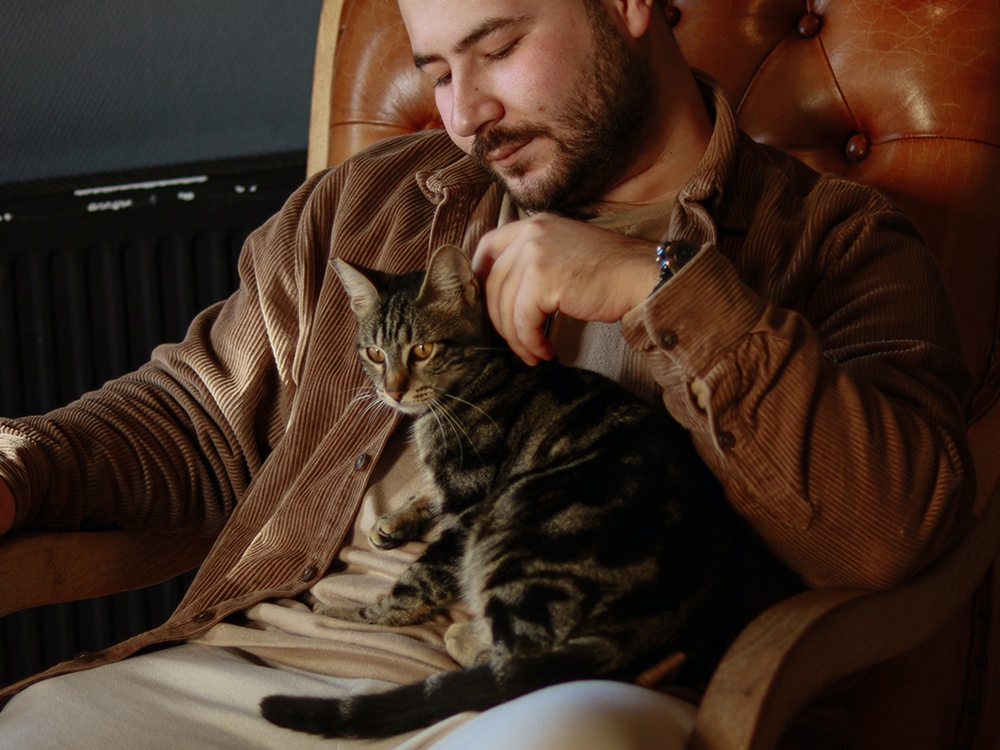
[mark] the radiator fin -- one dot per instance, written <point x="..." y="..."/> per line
<point x="85" y="296"/>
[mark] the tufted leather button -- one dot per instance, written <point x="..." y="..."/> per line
<point x="857" y="148"/>
<point x="809" y="25"/>
<point x="361" y="461"/>
<point x="672" y="14"/>
<point x="309" y="572"/>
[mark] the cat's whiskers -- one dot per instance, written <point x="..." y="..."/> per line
<point x="436" y="410"/>
<point x="372" y="407"/>
<point x="458" y="427"/>
<point x="471" y="405"/>
<point x="460" y="432"/>
<point x="363" y="394"/>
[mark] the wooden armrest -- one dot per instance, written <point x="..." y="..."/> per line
<point x="790" y="653"/>
<point x="48" y="568"/>
<point x="318" y="156"/>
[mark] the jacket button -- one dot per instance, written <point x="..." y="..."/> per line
<point x="361" y="461"/>
<point x="309" y="572"/>
<point x="726" y="440"/>
<point x="204" y="616"/>
<point x="668" y="339"/>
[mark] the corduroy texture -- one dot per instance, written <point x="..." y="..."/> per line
<point x="812" y="328"/>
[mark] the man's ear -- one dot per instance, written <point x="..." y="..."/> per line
<point x="634" y="16"/>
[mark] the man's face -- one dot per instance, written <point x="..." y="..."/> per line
<point x="547" y="96"/>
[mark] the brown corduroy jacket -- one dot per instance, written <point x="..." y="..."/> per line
<point x="809" y="349"/>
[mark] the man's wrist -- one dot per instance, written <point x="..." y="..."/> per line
<point x="671" y="257"/>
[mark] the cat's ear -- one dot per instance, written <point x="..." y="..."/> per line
<point x="363" y="293"/>
<point x="449" y="277"/>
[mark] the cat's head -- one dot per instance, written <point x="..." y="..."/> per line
<point x="420" y="334"/>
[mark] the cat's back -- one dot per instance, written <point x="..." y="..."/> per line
<point x="564" y="398"/>
<point x="551" y="415"/>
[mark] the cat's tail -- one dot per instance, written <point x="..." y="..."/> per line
<point x="421" y="704"/>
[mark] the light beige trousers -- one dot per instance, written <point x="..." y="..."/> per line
<point x="205" y="698"/>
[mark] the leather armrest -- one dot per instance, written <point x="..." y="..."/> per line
<point x="799" y="647"/>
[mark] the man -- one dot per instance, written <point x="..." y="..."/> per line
<point x="806" y="345"/>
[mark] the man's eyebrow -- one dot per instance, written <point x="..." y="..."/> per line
<point x="483" y="30"/>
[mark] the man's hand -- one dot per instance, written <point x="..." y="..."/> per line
<point x="547" y="264"/>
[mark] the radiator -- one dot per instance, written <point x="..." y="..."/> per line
<point x="94" y="272"/>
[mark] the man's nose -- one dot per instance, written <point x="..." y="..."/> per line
<point x="473" y="107"/>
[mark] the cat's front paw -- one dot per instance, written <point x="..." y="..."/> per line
<point x="402" y="525"/>
<point x="350" y="614"/>
<point x="391" y="531"/>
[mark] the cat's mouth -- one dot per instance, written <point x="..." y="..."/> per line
<point x="404" y="403"/>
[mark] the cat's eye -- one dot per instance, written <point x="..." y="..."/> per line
<point x="422" y="351"/>
<point x="375" y="354"/>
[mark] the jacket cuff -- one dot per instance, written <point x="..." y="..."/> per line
<point x="702" y="311"/>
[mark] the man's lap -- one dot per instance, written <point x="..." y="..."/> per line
<point x="197" y="696"/>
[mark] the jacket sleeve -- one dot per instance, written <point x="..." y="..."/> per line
<point x="826" y="396"/>
<point x="176" y="443"/>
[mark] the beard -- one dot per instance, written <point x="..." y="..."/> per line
<point x="597" y="131"/>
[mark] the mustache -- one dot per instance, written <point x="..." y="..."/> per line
<point x="501" y="136"/>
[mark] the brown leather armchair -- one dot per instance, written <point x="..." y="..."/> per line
<point x="902" y="95"/>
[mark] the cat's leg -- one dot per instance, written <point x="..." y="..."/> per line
<point x="406" y="523"/>
<point x="429" y="584"/>
<point x="470" y="643"/>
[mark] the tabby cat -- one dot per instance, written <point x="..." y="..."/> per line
<point x="573" y="519"/>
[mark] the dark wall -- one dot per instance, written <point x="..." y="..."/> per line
<point x="144" y="89"/>
<point x="115" y="84"/>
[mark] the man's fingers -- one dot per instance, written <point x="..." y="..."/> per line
<point x="532" y="343"/>
<point x="514" y="309"/>
<point x="491" y="246"/>
<point x="524" y="321"/>
<point x="515" y="288"/>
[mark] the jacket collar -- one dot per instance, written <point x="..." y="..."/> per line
<point x="708" y="185"/>
<point x="461" y="176"/>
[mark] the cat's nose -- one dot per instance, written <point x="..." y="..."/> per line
<point x="396" y="396"/>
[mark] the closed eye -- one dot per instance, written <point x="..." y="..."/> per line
<point x="488" y="29"/>
<point x="503" y="52"/>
